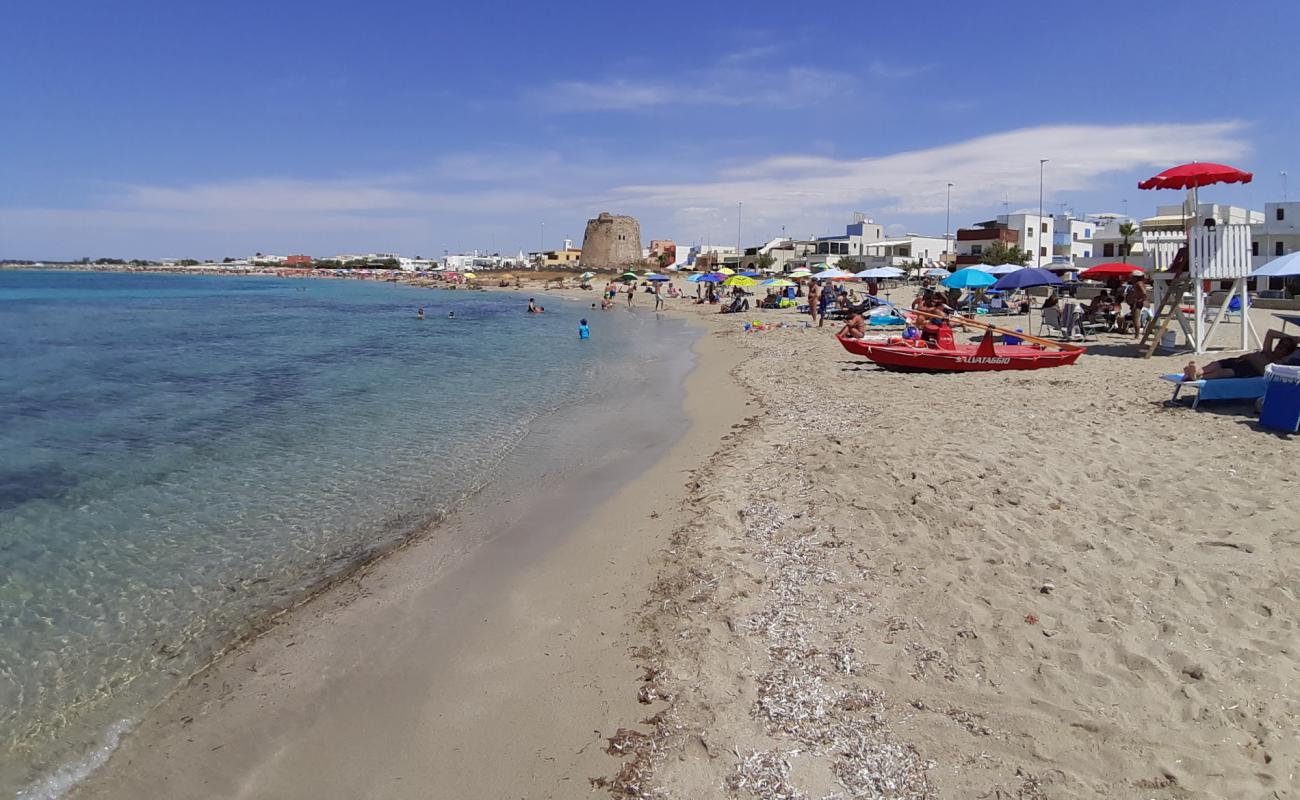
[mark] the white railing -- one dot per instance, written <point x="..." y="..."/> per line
<point x="1161" y="247"/>
<point x="1220" y="252"/>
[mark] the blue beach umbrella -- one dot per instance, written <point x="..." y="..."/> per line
<point x="1026" y="277"/>
<point x="713" y="277"/>
<point x="969" y="278"/>
<point x="657" y="278"/>
<point x="750" y="274"/>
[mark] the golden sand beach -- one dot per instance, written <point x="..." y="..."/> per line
<point x="842" y="582"/>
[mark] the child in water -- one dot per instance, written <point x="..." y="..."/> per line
<point x="419" y="314"/>
<point x="583" y="331"/>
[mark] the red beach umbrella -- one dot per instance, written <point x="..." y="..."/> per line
<point x="1190" y="176"/>
<point x="1114" y="269"/>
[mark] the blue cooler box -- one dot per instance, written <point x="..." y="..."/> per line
<point x="1281" y="411"/>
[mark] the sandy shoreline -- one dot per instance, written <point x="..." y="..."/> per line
<point x="841" y="583"/>
<point x="436" y="669"/>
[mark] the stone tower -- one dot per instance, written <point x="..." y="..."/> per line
<point x="610" y="242"/>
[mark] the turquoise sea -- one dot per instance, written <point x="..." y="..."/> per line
<point x="181" y="456"/>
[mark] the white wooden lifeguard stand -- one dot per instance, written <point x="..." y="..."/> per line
<point x="1217" y="253"/>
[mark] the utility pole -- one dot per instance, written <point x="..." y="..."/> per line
<point x="740" y="207"/>
<point x="947" y="224"/>
<point x="1283" y="186"/>
<point x="1038" y="258"/>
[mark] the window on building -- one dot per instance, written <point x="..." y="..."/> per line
<point x="1042" y="251"/>
<point x="1108" y="250"/>
<point x="1087" y="233"/>
<point x="1277" y="248"/>
<point x="1029" y="231"/>
<point x="1044" y="227"/>
<point x="977" y="249"/>
<point x="1281" y="214"/>
<point x="1254" y="248"/>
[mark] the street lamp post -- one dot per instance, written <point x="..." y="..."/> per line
<point x="947" y="224"/>
<point x="1038" y="260"/>
<point x="740" y="207"/>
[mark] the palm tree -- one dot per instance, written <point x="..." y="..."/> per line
<point x="1128" y="230"/>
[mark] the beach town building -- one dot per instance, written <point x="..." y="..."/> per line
<point x="905" y="251"/>
<point x="1165" y="231"/>
<point x="778" y="253"/>
<point x="299" y="261"/>
<point x="482" y="262"/>
<point x="828" y="250"/>
<point x="567" y="256"/>
<point x="1277" y="235"/>
<point x="663" y="250"/>
<point x="715" y="254"/>
<point x="1027" y="230"/>
<point x="1071" y="238"/>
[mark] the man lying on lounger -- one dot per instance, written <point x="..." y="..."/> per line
<point x="1278" y="347"/>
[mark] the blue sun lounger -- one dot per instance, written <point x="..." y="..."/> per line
<point x="1219" y="389"/>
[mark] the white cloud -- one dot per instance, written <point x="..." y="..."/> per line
<point x="732" y="83"/>
<point x="498" y="198"/>
<point x="809" y="187"/>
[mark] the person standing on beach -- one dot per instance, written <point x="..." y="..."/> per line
<point x="659" y="297"/>
<point x="813" y="292"/>
<point x="824" y="299"/>
<point x="631" y="293"/>
<point x="1136" y="299"/>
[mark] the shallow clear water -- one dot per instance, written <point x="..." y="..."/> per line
<point x="182" y="455"/>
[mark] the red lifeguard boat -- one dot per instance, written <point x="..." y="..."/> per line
<point x="943" y="355"/>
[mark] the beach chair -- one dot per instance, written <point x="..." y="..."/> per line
<point x="998" y="307"/>
<point x="1051" y="322"/>
<point x="1221" y="389"/>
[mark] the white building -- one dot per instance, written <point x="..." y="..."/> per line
<point x="904" y="251"/>
<point x="1277" y="235"/>
<point x="828" y="250"/>
<point x="1036" y="234"/>
<point x="1072" y="238"/>
<point x="1026" y="230"/>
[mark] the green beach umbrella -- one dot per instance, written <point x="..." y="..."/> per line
<point x="629" y="276"/>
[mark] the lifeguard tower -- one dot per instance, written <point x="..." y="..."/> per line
<point x="1215" y="252"/>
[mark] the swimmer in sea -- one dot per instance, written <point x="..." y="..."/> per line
<point x="419" y="314"/>
<point x="583" y="331"/>
<point x="451" y="315"/>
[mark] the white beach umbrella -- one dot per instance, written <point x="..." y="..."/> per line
<point x="833" y="273"/>
<point x="881" y="272"/>
<point x="1279" y="267"/>
<point x="1000" y="269"/>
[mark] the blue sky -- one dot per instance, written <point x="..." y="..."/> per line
<point x="156" y="129"/>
